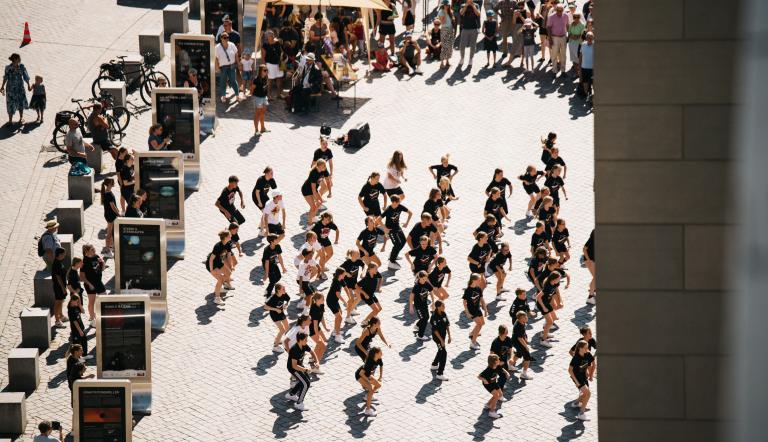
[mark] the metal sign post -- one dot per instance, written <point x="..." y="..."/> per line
<point x="124" y="345"/>
<point x="196" y="52"/>
<point x="178" y="111"/>
<point x="141" y="263"/>
<point x="161" y="175"/>
<point x="102" y="411"/>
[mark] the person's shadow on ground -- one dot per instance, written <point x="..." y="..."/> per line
<point x="358" y="422"/>
<point x="207" y="311"/>
<point x="287" y="418"/>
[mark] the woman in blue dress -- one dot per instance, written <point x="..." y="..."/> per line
<point x="15" y="94"/>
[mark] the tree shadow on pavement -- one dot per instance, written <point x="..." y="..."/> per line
<point x="358" y="422"/>
<point x="207" y="311"/>
<point x="286" y="419"/>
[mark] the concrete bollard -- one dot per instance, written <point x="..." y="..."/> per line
<point x="67" y="243"/>
<point x="69" y="213"/>
<point x="13" y="413"/>
<point x="117" y="89"/>
<point x="133" y="64"/>
<point x="94" y="158"/>
<point x="23" y="369"/>
<point x="151" y="40"/>
<point x="43" y="286"/>
<point x="36" y="328"/>
<point x="175" y="20"/>
<point x="81" y="188"/>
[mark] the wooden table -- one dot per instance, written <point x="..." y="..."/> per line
<point x="338" y="75"/>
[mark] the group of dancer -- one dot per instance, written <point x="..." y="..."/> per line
<point x="358" y="279"/>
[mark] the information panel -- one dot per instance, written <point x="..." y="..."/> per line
<point x="177" y="110"/>
<point x="212" y="14"/>
<point x="193" y="52"/>
<point x="140" y="256"/>
<point x="102" y="411"/>
<point x="123" y="340"/>
<point x="160" y="177"/>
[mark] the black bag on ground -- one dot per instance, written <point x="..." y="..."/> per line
<point x="358" y="136"/>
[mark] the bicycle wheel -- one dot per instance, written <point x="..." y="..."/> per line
<point x="114" y="135"/>
<point x="96" y="86"/>
<point x="59" y="135"/>
<point x="121" y="115"/>
<point x="150" y="83"/>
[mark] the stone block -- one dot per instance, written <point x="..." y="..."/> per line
<point x="23" y="369"/>
<point x="13" y="413"/>
<point x="659" y="430"/>
<point x="712" y="19"/>
<point x="81" y="188"/>
<point x="652" y="387"/>
<point x="68" y="244"/>
<point x="69" y="213"/>
<point x="117" y="89"/>
<point x="660" y="192"/>
<point x="43" y="287"/>
<point x="638" y="257"/>
<point x="705" y="249"/>
<point x="175" y="20"/>
<point x="638" y="133"/>
<point x="36" y="328"/>
<point x="708" y="131"/>
<point x="628" y="22"/>
<point x="133" y="64"/>
<point x="151" y="40"/>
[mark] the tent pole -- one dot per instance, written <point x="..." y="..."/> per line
<point x="260" y="9"/>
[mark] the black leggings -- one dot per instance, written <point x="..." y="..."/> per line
<point x="398" y="242"/>
<point x="301" y="387"/>
<point x="274" y="277"/>
<point x="423" y="313"/>
<point x="440" y="358"/>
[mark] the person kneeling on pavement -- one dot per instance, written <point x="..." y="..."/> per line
<point x="410" y="55"/>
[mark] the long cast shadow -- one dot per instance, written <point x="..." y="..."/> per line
<point x="357" y="422"/>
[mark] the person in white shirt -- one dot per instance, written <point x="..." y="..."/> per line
<point x="270" y="220"/>
<point x="226" y="67"/>
<point x="308" y="270"/>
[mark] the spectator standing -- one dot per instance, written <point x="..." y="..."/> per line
<point x="506" y="11"/>
<point x="470" y="23"/>
<point x="271" y="53"/>
<point x="586" y="62"/>
<point x="575" y="30"/>
<point x="557" y="28"/>
<point x="226" y="67"/>
<point x="38" y="98"/>
<point x="45" y="428"/>
<point x="445" y="15"/>
<point x="15" y="96"/>
<point x="49" y="242"/>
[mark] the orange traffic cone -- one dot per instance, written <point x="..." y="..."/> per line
<point x="27" y="38"/>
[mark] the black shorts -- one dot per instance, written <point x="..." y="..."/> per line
<point x="533" y="188"/>
<point x="477" y="269"/>
<point x="236" y="216"/>
<point x="275" y="316"/>
<point x="582" y="383"/>
<point x="366" y="252"/>
<point x="126" y="192"/>
<point x="373" y="210"/>
<point x="474" y="313"/>
<point x="542" y="306"/>
<point x="105" y="145"/>
<point x="370" y="300"/>
<point x="561" y="248"/>
<point x="333" y="306"/>
<point x="397" y="190"/>
<point x="111" y="217"/>
<point x="306" y="288"/>
<point x="98" y="287"/>
<point x="312" y="331"/>
<point x="59" y="296"/>
<point x="387" y="29"/>
<point x="491" y="387"/>
<point x="359" y="352"/>
<point x="277" y="229"/>
<point x="522" y="352"/>
<point x="325" y="242"/>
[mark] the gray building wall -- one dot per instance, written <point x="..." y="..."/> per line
<point x="665" y="99"/>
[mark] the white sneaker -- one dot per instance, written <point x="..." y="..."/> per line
<point x="92" y="323"/>
<point x="434" y="367"/>
<point x="59" y="324"/>
<point x="529" y="213"/>
<point x="350" y="320"/>
<point x="218" y="301"/>
<point x="338" y="338"/>
<point x="591" y="300"/>
<point x="369" y="412"/>
<point x="441" y="377"/>
<point x="526" y="376"/>
<point x="87" y="357"/>
<point x="108" y="254"/>
<point x="501" y="399"/>
<point x="229" y="287"/>
<point x="323" y="277"/>
<point x="582" y="417"/>
<point x="354" y="312"/>
<point x="364" y="323"/>
<point x="301" y="304"/>
<point x="574" y="404"/>
<point x="305" y="312"/>
<point x="499" y="297"/>
<point x="300" y="407"/>
<point x="474" y="346"/>
<point x="425" y="338"/>
<point x="513" y="369"/>
<point x="316" y="370"/>
<point x="393" y="265"/>
<point x="545" y="343"/>
<point x="278" y="349"/>
<point x="494" y="414"/>
<point x="291" y="397"/>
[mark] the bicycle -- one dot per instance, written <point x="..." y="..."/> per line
<point x="147" y="79"/>
<point x="61" y="126"/>
<point x="121" y="114"/>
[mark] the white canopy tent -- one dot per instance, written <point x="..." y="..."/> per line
<point x="366" y="13"/>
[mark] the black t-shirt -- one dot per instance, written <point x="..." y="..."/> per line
<point x="289" y="34"/>
<point x="421" y="294"/>
<point x="591" y="344"/>
<point x="92" y="268"/>
<point x="369" y="283"/>
<point x="370" y="194"/>
<point x="468" y="19"/>
<point x="552" y="162"/>
<point x="491" y="374"/>
<point x="126" y="174"/>
<point x="107" y="199"/>
<point x="434" y="36"/>
<point x="501" y="185"/>
<point x="220" y="252"/>
<point x="418" y="231"/>
<point x="75" y="317"/>
<point x="554" y="183"/>
<point x="422" y="257"/>
<point x="529" y="36"/>
<point x="590" y="245"/>
<point x="501" y="347"/>
<point x="57" y="269"/>
<point x="272" y="52"/>
<point x="352" y="267"/>
<point x="316" y="312"/>
<point x="547" y="216"/>
<point x="279" y="301"/>
<point x="494" y="207"/>
<point x="480" y="253"/>
<point x="314" y="178"/>
<point x="323" y="230"/>
<point x="234" y="239"/>
<point x="539" y="239"/>
<point x="439" y="323"/>
<point x="391" y="216"/>
<point x="518" y="331"/>
<point x="442" y="171"/>
<point x="262" y="188"/>
<point x="368" y="238"/>
<point x="271" y="255"/>
<point x="133" y="212"/>
<point x="73" y="279"/>
<point x="499" y="259"/>
<point x="529" y="180"/>
<point x="437" y="275"/>
<point x="370" y="366"/>
<point x="296" y="353"/>
<point x="227" y="198"/>
<point x="560" y="237"/>
<point x="321" y="154"/>
<point x="333" y="292"/>
<point x="519" y="305"/>
<point x="473" y="295"/>
<point x="491" y="230"/>
<point x="580" y="365"/>
<point x="432" y="206"/>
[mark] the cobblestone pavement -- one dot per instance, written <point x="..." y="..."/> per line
<point x="214" y="375"/>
